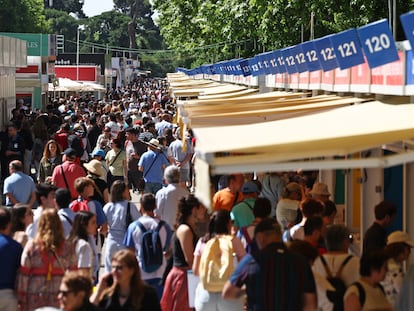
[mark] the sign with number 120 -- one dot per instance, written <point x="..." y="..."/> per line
<point x="378" y="43"/>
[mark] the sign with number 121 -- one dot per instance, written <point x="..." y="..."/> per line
<point x="347" y="49"/>
<point x="378" y="43"/>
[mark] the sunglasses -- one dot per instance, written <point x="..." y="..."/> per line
<point x="118" y="268"/>
<point x="64" y="293"/>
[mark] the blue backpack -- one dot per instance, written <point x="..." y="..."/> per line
<point x="151" y="254"/>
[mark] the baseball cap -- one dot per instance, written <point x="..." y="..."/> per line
<point x="249" y="187"/>
<point x="69" y="152"/>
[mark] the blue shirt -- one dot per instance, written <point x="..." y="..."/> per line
<point x="116" y="215"/>
<point x="10" y="255"/>
<point x="153" y="172"/>
<point x="67" y="216"/>
<point x="20" y="185"/>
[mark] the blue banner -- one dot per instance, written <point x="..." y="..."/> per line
<point x="347" y="49"/>
<point x="326" y="53"/>
<point x="378" y="43"/>
<point x="311" y="55"/>
<point x="407" y="21"/>
<point x="289" y="60"/>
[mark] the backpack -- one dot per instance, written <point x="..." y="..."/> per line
<point x="151" y="254"/>
<point x="336" y="296"/>
<point x="79" y="205"/>
<point x="361" y="292"/>
<point x="251" y="245"/>
<point x="216" y="263"/>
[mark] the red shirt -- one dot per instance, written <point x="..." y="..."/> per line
<point x="72" y="171"/>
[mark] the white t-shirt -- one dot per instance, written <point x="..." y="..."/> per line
<point x="350" y="272"/>
<point x="84" y="253"/>
<point x="150" y="224"/>
<point x="374" y="297"/>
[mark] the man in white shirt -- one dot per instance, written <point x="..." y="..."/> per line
<point x="167" y="198"/>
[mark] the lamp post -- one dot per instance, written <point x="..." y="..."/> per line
<point x="80" y="27"/>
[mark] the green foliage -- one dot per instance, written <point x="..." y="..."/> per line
<point x="109" y="28"/>
<point x="69" y="6"/>
<point x="212" y="30"/>
<point x="63" y="23"/>
<point x="26" y="16"/>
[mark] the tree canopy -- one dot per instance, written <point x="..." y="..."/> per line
<point x="213" y="30"/>
<point x="25" y="16"/>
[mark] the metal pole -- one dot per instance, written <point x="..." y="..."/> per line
<point x="77" y="55"/>
<point x="312" y="34"/>
<point x="394" y="19"/>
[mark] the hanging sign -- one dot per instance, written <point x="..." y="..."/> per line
<point x="347" y="49"/>
<point x="289" y="60"/>
<point x="326" y="53"/>
<point x="407" y="21"/>
<point x="378" y="43"/>
<point x="311" y="56"/>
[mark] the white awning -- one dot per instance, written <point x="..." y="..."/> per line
<point x="337" y="132"/>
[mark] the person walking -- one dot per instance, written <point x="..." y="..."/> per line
<point x="123" y="288"/>
<point x="120" y="212"/>
<point x="44" y="262"/>
<point x="265" y="275"/>
<point x="10" y="256"/>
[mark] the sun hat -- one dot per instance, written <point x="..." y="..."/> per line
<point x="154" y="143"/>
<point x="94" y="166"/>
<point x="400" y="237"/>
<point x="320" y="189"/>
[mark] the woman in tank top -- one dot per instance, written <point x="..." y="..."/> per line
<point x="175" y="296"/>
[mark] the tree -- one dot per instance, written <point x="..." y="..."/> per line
<point x="69" y="6"/>
<point x="214" y="30"/>
<point x="141" y="23"/>
<point x="107" y="29"/>
<point x="63" y="23"/>
<point x="23" y="16"/>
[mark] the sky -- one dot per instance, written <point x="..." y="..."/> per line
<point x="96" y="7"/>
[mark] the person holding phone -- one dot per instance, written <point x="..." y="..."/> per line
<point x="74" y="292"/>
<point x="123" y="288"/>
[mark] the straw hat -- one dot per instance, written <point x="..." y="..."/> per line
<point x="94" y="167"/>
<point x="320" y="189"/>
<point x="154" y="143"/>
<point x="400" y="237"/>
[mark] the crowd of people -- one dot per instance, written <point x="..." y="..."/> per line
<point x="265" y="243"/>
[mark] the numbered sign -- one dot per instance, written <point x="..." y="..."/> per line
<point x="254" y="67"/>
<point x="289" y="59"/>
<point x="347" y="49"/>
<point x="263" y="63"/>
<point x="280" y="61"/>
<point x="378" y="43"/>
<point x="259" y="62"/>
<point x="271" y="57"/>
<point x="237" y="70"/>
<point x="312" y="60"/>
<point x="326" y="53"/>
<point x="407" y="21"/>
<point x="299" y="58"/>
<point x="244" y="64"/>
<point x="267" y="62"/>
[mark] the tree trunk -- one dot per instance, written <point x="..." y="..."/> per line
<point x="132" y="39"/>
